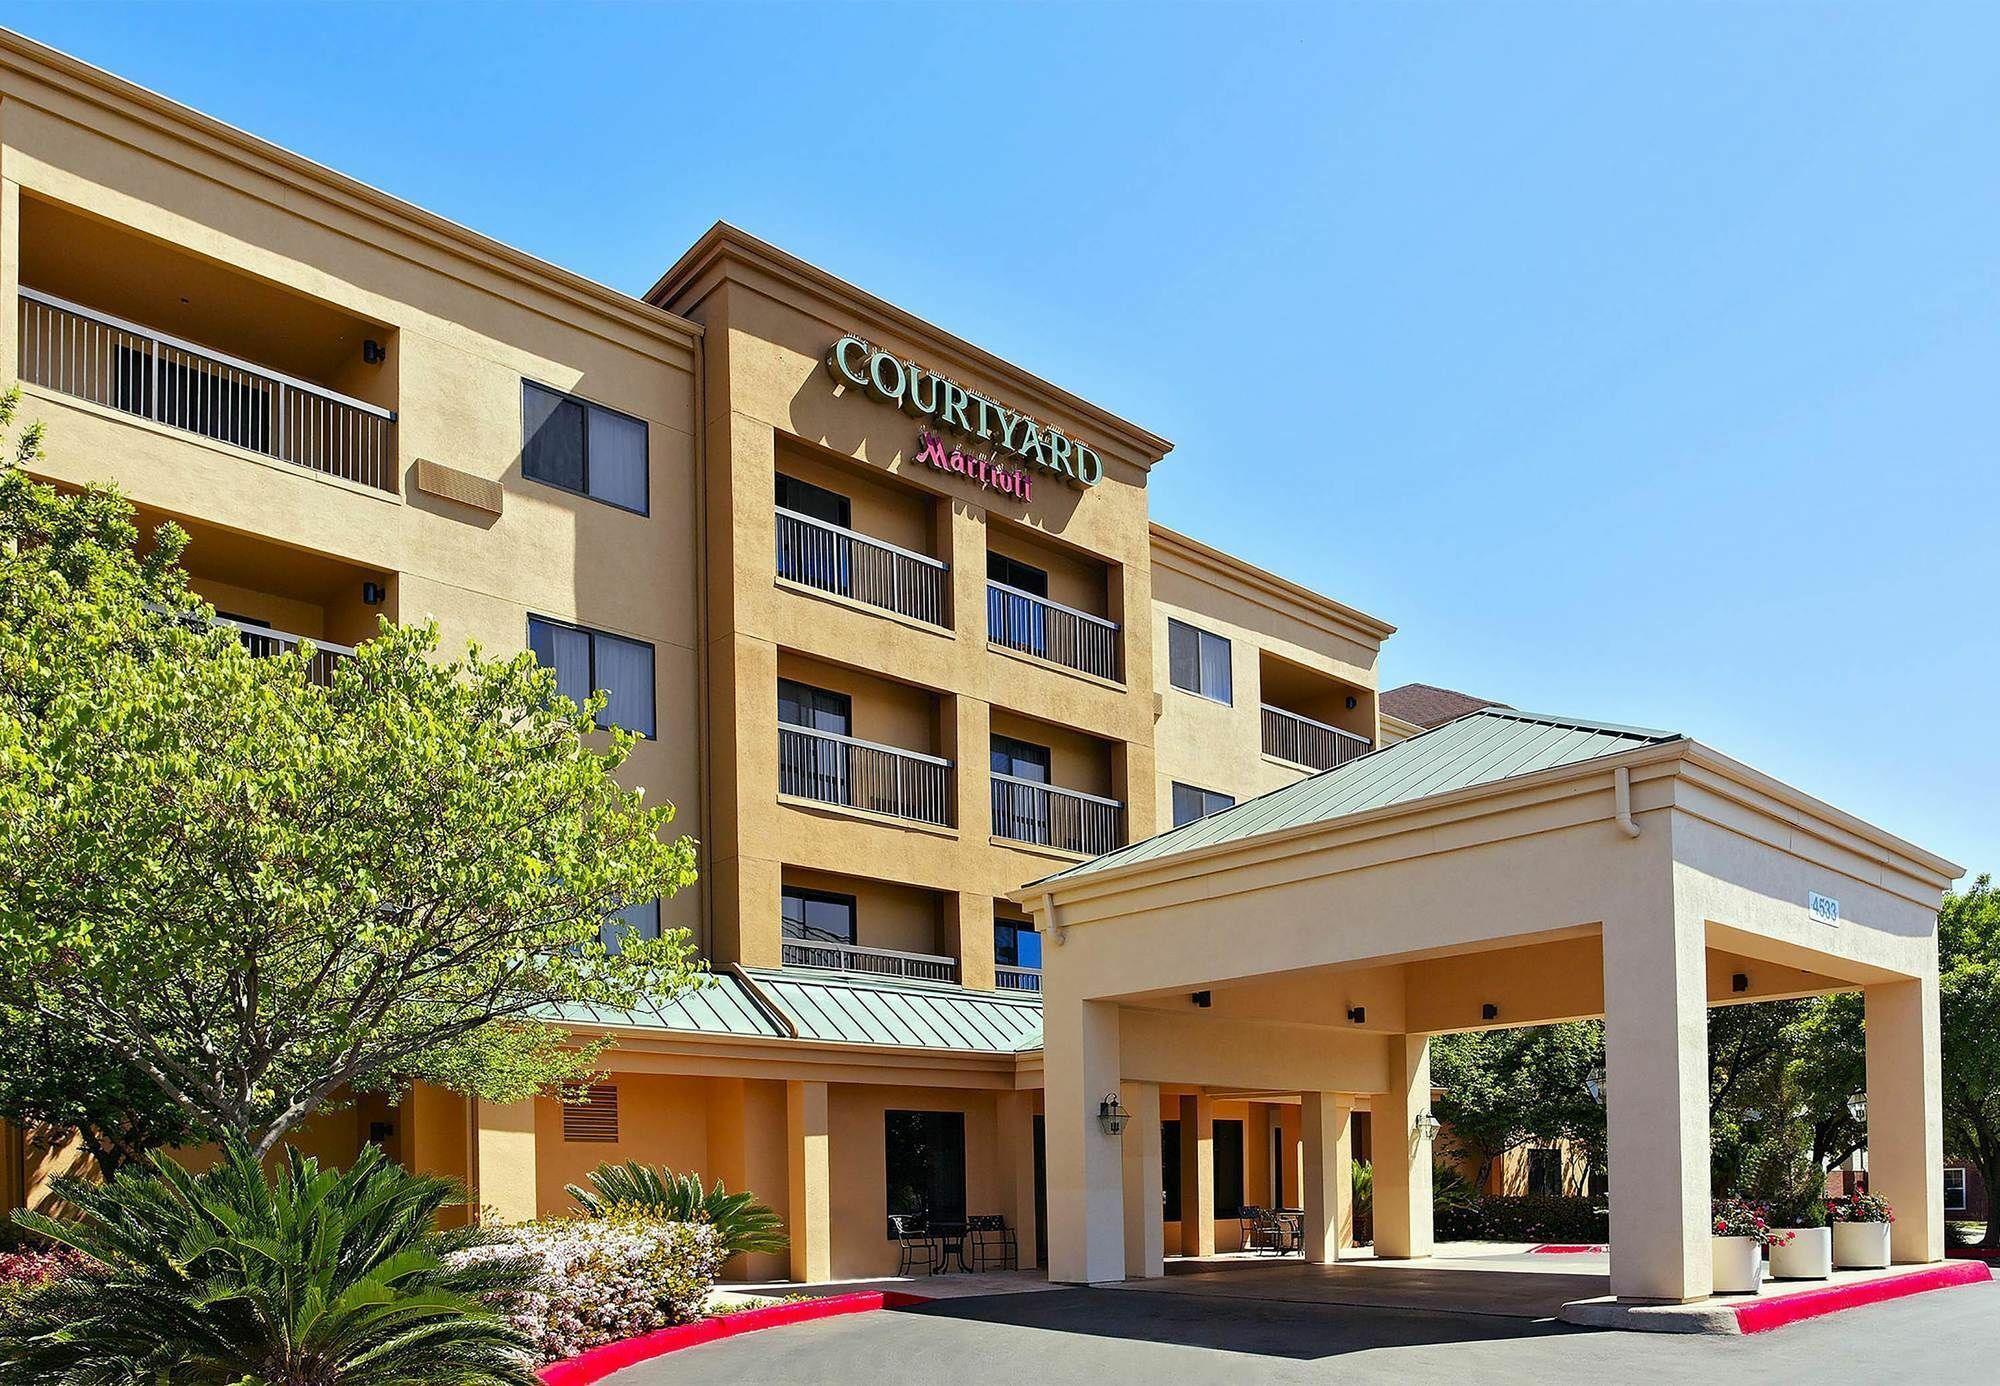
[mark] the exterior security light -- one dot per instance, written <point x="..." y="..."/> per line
<point x="1594" y="1084"/>
<point x="1358" y="1014"/>
<point x="1427" y="1126"/>
<point x="1489" y="1011"/>
<point x="1857" y="1107"/>
<point x="1112" y="1116"/>
<point x="1200" y="998"/>
<point x="1739" y="981"/>
<point x="372" y="594"/>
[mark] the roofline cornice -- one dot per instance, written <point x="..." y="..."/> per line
<point x="724" y="245"/>
<point x="1264" y="587"/>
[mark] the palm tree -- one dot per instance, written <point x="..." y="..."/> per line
<point x="742" y="1223"/>
<point x="308" y="1278"/>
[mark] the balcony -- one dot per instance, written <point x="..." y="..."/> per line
<point x="121" y="365"/>
<point x="826" y="557"/>
<point x="1049" y="630"/>
<point x="833" y="769"/>
<point x="1065" y="819"/>
<point x="264" y="642"/>
<point x="877" y="962"/>
<point x="1017" y="978"/>
<point x="1302" y="741"/>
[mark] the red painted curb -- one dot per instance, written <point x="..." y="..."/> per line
<point x="1767" y="1314"/>
<point x="1560" y="1249"/>
<point x="600" y="1362"/>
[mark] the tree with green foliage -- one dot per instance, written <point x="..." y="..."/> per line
<point x="59" y="1085"/>
<point x="1969" y="1016"/>
<point x="1503" y="1089"/>
<point x="265" y="887"/>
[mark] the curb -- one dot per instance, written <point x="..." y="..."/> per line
<point x="600" y="1362"/>
<point x="1568" y="1249"/>
<point x="1776" y="1313"/>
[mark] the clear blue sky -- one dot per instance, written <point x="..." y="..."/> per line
<point x="1641" y="361"/>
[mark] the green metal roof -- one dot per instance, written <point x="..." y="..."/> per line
<point x="842" y="1008"/>
<point x="725" y="1007"/>
<point x="1482" y="747"/>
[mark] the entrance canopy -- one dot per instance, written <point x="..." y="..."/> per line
<point x="1504" y="869"/>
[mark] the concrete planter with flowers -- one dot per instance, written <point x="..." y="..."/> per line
<point x="1741" y="1232"/>
<point x="1860" y="1231"/>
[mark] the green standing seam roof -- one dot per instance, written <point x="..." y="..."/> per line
<point x="1482" y="747"/>
<point x="725" y="1007"/>
<point x="839" y="1008"/>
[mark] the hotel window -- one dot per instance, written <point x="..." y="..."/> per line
<point x="817" y="916"/>
<point x="1198" y="661"/>
<point x="1016" y="945"/>
<point x="1170" y="1171"/>
<point x="1191" y="803"/>
<point x="813" y="767"/>
<point x="1228" y="1168"/>
<point x="1545" y="1170"/>
<point x="1012" y="572"/>
<point x="1019" y="813"/>
<point x="804" y="498"/>
<point x="583" y="447"/>
<point x="634" y="921"/>
<point x="924" y="1156"/>
<point x="586" y="660"/>
<point x="1954" y="1189"/>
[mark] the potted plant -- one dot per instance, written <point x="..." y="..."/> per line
<point x="1860" y="1230"/>
<point x="1802" y="1243"/>
<point x="1741" y="1232"/>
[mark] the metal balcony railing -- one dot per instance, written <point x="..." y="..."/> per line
<point x="859" y="774"/>
<point x="1303" y="741"/>
<point x="1007" y="978"/>
<point x="1066" y="819"/>
<point x="105" y="360"/>
<point x="862" y="569"/>
<point x="1049" y="630"/>
<point x="879" y="962"/>
<point x="263" y="641"/>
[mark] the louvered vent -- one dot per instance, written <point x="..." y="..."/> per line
<point x="596" y="1120"/>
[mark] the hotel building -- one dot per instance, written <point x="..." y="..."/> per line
<point x="902" y="637"/>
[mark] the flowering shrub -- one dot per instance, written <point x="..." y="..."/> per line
<point x="1739" y="1217"/>
<point x="22" y="1271"/>
<point x="603" y="1279"/>
<point x="1859" y="1207"/>
<point x="1522" y="1218"/>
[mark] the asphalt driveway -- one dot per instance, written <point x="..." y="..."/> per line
<point x="1164" y="1339"/>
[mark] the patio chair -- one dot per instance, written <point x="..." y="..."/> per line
<point x="1256" y="1226"/>
<point x="992" y="1242"/>
<point x="914" y="1241"/>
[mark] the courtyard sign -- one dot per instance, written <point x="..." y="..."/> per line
<point x="927" y="395"/>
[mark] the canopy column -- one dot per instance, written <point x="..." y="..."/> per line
<point x="1905" y="1117"/>
<point x="1326" y="1130"/>
<point x="1145" y="1250"/>
<point x="1197" y="1175"/>
<point x="1086" y="1177"/>
<point x="1402" y="1155"/>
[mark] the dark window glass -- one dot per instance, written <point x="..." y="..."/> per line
<point x="1023" y="577"/>
<point x="818" y="916"/>
<point x="1022" y="759"/>
<point x="1198" y="661"/>
<point x="583" y="447"/>
<point x="586" y="660"/>
<point x="1228" y="1168"/>
<point x="802" y="705"/>
<point x="804" y="498"/>
<point x="1170" y="1170"/>
<point x="1545" y="1170"/>
<point x="634" y="921"/>
<point x="1016" y="945"/>
<point x="924" y="1155"/>
<point x="1191" y="803"/>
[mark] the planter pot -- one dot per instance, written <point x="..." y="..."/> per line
<point x="1861" y="1245"/>
<point x="1807" y="1256"/>
<point x="1739" y="1265"/>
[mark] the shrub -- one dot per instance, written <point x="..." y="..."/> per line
<point x="597" y="1280"/>
<point x="1859" y="1207"/>
<point x="656" y="1192"/>
<point x="309" y="1277"/>
<point x="24" y="1271"/>
<point x="1739" y="1217"/>
<point x="1526" y="1218"/>
<point x="1962" y="1234"/>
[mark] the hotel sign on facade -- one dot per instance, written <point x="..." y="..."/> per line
<point x="925" y="394"/>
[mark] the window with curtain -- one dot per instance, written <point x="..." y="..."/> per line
<point x="1016" y="945"/>
<point x="583" y="447"/>
<point x="1191" y="803"/>
<point x="1197" y="661"/>
<point x="804" y="498"/>
<point x="585" y="660"/>
<point x="634" y="921"/>
<point x="924" y="1156"/>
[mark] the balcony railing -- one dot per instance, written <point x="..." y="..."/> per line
<point x="1007" y="978"/>
<point x="879" y="962"/>
<point x="1066" y="819"/>
<point x="1303" y="741"/>
<point x="262" y="641"/>
<point x="859" y="774"/>
<point x="1060" y="634"/>
<point x="862" y="569"/>
<point x="124" y="366"/>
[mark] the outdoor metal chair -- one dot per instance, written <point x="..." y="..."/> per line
<point x="914" y="1241"/>
<point x="1256" y="1226"/>
<point x="993" y="1244"/>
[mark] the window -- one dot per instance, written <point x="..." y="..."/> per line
<point x="1016" y="945"/>
<point x="804" y="498"/>
<point x="585" y="660"/>
<point x="1019" y="812"/>
<point x="583" y="447"/>
<point x="924" y="1154"/>
<point x="1022" y="759"/>
<point x="1545" y="1170"/>
<point x="595" y="1119"/>
<point x="1191" y="803"/>
<point x="1954" y="1189"/>
<point x="1198" y="661"/>
<point x="1228" y="1168"/>
<point x="1170" y="1171"/>
<point x="634" y="921"/>
<point x="819" y="916"/>
<point x="802" y="705"/>
<point x="1012" y="572"/>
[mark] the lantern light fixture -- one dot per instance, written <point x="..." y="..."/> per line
<point x="1427" y="1126"/>
<point x="1857" y="1107"/>
<point x="1112" y="1116"/>
<point x="1594" y="1084"/>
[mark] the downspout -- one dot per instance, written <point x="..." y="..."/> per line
<point x="1621" y="794"/>
<point x="1057" y="931"/>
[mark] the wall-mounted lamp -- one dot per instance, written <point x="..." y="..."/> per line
<point x="372" y="594"/>
<point x="1489" y="1011"/>
<point x="1595" y="1085"/>
<point x="1112" y="1116"/>
<point x="1352" y="702"/>
<point x="1427" y="1126"/>
<point x="1358" y="1014"/>
<point x="373" y="353"/>
<point x="1200" y="998"/>
<point x="1739" y="981"/>
<point x="1857" y="1107"/>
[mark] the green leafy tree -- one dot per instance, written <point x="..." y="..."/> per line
<point x="1969" y="1016"/>
<point x="654" y="1191"/>
<point x="262" y="887"/>
<point x="59" y="1084"/>
<point x="309" y="1278"/>
<point x="1503" y="1089"/>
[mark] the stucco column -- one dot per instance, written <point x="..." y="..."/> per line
<point x="1326" y="1135"/>
<point x="1197" y="1175"/>
<point x="809" y="1223"/>
<point x="1016" y="1115"/>
<point x="1086" y="1177"/>
<point x="1905" y="1121"/>
<point x="1656" y="1080"/>
<point x="1145" y="1244"/>
<point x="970" y="938"/>
<point x="504" y="1161"/>
<point x="10" y="277"/>
<point x="1402" y="1159"/>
